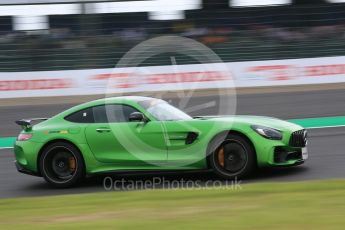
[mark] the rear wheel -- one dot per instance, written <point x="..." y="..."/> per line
<point x="62" y="165"/>
<point x="233" y="157"/>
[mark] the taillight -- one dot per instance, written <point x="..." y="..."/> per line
<point x="24" y="137"/>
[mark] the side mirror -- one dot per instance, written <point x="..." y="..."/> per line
<point x="137" y="116"/>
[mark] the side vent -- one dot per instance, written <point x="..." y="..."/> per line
<point x="191" y="137"/>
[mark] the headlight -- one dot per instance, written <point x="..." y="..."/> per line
<point x="267" y="132"/>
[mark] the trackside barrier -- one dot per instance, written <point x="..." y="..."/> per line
<point x="181" y="77"/>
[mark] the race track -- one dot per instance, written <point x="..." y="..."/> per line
<point x="327" y="155"/>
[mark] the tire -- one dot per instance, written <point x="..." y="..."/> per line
<point x="62" y="165"/>
<point x="232" y="156"/>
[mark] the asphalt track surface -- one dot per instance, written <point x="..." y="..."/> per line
<point x="326" y="151"/>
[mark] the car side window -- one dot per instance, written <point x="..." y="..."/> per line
<point x="82" y="116"/>
<point x="112" y="113"/>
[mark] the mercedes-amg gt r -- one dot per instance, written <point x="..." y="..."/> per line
<point x="147" y="134"/>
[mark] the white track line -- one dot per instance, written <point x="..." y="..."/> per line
<point x="6" y="148"/>
<point x="325" y="127"/>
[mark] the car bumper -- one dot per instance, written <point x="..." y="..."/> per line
<point x="277" y="153"/>
<point x="26" y="153"/>
<point x="23" y="170"/>
<point x="283" y="154"/>
<point x="271" y="153"/>
<point x="296" y="163"/>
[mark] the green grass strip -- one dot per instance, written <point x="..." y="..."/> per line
<point x="321" y="122"/>
<point x="304" y="205"/>
<point x="7" y="142"/>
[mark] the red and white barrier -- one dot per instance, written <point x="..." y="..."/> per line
<point x="181" y="77"/>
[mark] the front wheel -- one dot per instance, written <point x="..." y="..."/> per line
<point x="234" y="157"/>
<point x="62" y="165"/>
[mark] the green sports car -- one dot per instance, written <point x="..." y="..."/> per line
<point x="147" y="134"/>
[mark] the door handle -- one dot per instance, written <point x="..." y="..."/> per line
<point x="103" y="130"/>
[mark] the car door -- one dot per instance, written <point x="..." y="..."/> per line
<point x="114" y="139"/>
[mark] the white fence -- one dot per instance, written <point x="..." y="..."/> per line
<point x="182" y="77"/>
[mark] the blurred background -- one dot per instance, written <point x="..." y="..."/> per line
<point x="37" y="35"/>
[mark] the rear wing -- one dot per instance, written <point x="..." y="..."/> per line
<point x="28" y="123"/>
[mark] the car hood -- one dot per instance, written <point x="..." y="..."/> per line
<point x="271" y="122"/>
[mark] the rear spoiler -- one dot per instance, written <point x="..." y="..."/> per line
<point x="27" y="123"/>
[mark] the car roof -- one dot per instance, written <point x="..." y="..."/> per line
<point x="122" y="99"/>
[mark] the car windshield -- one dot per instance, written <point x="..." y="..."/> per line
<point x="162" y="111"/>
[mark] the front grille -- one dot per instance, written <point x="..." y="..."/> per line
<point x="298" y="138"/>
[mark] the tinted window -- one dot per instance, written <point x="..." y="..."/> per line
<point x="112" y="113"/>
<point x="82" y="116"/>
<point x="163" y="111"/>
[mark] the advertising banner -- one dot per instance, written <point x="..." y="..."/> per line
<point x="175" y="77"/>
